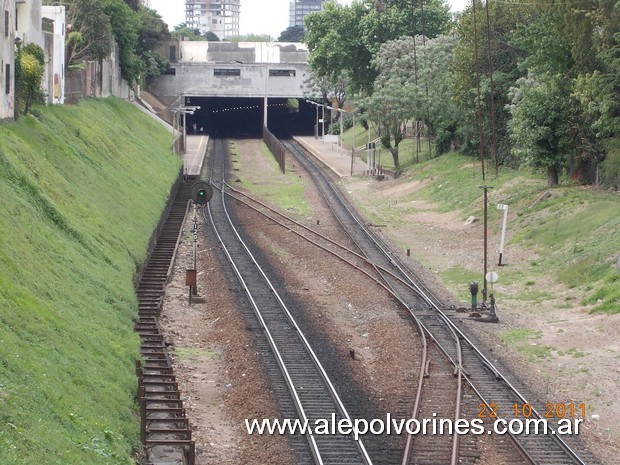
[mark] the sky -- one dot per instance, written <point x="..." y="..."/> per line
<point x="256" y="17"/>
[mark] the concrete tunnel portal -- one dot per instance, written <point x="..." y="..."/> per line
<point x="245" y="116"/>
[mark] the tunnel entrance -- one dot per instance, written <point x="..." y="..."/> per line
<point x="242" y="117"/>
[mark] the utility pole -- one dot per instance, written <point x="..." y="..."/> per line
<point x="486" y="198"/>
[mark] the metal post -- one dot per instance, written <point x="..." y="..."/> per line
<point x="195" y="287"/>
<point x="316" y="127"/>
<point x="323" y="125"/>
<point x="341" y="126"/>
<point x="195" y="235"/>
<point x="501" y="242"/>
<point x="184" y="133"/>
<point x="353" y="145"/>
<point x="484" y="288"/>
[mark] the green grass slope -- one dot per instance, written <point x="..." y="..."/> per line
<point x="82" y="188"/>
<point x="575" y="232"/>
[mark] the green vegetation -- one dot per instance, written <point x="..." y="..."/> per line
<point x="193" y="353"/>
<point x="82" y="188"/>
<point x="284" y="190"/>
<point x="459" y="278"/>
<point x="575" y="232"/>
<point x="523" y="341"/>
<point x="516" y="83"/>
<point x="29" y="70"/>
<point x="573" y="352"/>
<point x="138" y="30"/>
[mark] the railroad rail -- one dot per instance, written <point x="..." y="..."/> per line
<point x="165" y="431"/>
<point x="313" y="393"/>
<point x="438" y="390"/>
<point x="490" y="385"/>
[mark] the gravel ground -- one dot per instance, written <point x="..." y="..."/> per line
<point x="222" y="376"/>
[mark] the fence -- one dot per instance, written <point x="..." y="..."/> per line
<point x="276" y="147"/>
<point x="97" y="79"/>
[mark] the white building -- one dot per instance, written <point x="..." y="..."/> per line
<point x="28" y="27"/>
<point x="299" y="9"/>
<point x="7" y="59"/>
<point x="54" y="46"/>
<point x="218" y="16"/>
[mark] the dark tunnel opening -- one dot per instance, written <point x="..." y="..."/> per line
<point x="243" y="117"/>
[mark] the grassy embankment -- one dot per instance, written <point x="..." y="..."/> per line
<point x="285" y="190"/>
<point x="575" y="234"/>
<point x="82" y="188"/>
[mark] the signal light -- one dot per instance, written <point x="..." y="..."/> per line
<point x="201" y="192"/>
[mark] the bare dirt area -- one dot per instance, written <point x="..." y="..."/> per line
<point x="581" y="365"/>
<point x="221" y="374"/>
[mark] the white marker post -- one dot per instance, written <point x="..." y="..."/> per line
<point x="501" y="243"/>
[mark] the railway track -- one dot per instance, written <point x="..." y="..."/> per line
<point x="311" y="390"/>
<point x="494" y="391"/>
<point x="165" y="430"/>
<point x="438" y="388"/>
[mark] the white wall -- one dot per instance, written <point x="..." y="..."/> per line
<point x="29" y="22"/>
<point x="55" y="86"/>
<point x="7" y="57"/>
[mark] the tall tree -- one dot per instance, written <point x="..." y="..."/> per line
<point x="87" y="17"/>
<point x="395" y="99"/>
<point x="335" y="41"/>
<point x="346" y="38"/>
<point x="503" y="20"/>
<point x="539" y="123"/>
<point x="211" y="36"/>
<point x="292" y="34"/>
<point x="153" y="32"/>
<point x="440" y="112"/>
<point x="126" y="26"/>
<point x="182" y="31"/>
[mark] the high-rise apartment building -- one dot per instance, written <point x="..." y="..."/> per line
<point x="218" y="16"/>
<point x="298" y="9"/>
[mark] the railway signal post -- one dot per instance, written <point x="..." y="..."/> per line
<point x="201" y="194"/>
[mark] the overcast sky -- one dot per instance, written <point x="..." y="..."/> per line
<point x="256" y="16"/>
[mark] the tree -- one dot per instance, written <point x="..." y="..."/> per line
<point x="503" y="20"/>
<point x="539" y="123"/>
<point x="334" y="41"/>
<point x="29" y="70"/>
<point x="347" y="38"/>
<point x="153" y="32"/>
<point x="322" y="90"/>
<point x="211" y="36"/>
<point x="126" y="26"/>
<point x="181" y="30"/>
<point x="292" y="34"/>
<point x="87" y="17"/>
<point x="591" y="31"/>
<point x="251" y="38"/>
<point x="388" y="112"/>
<point x="396" y="98"/>
<point x="440" y="113"/>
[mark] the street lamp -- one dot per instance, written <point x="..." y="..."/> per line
<point x="184" y="111"/>
<point x="342" y="112"/>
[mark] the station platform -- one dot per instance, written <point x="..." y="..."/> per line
<point x="194" y="155"/>
<point x="336" y="158"/>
